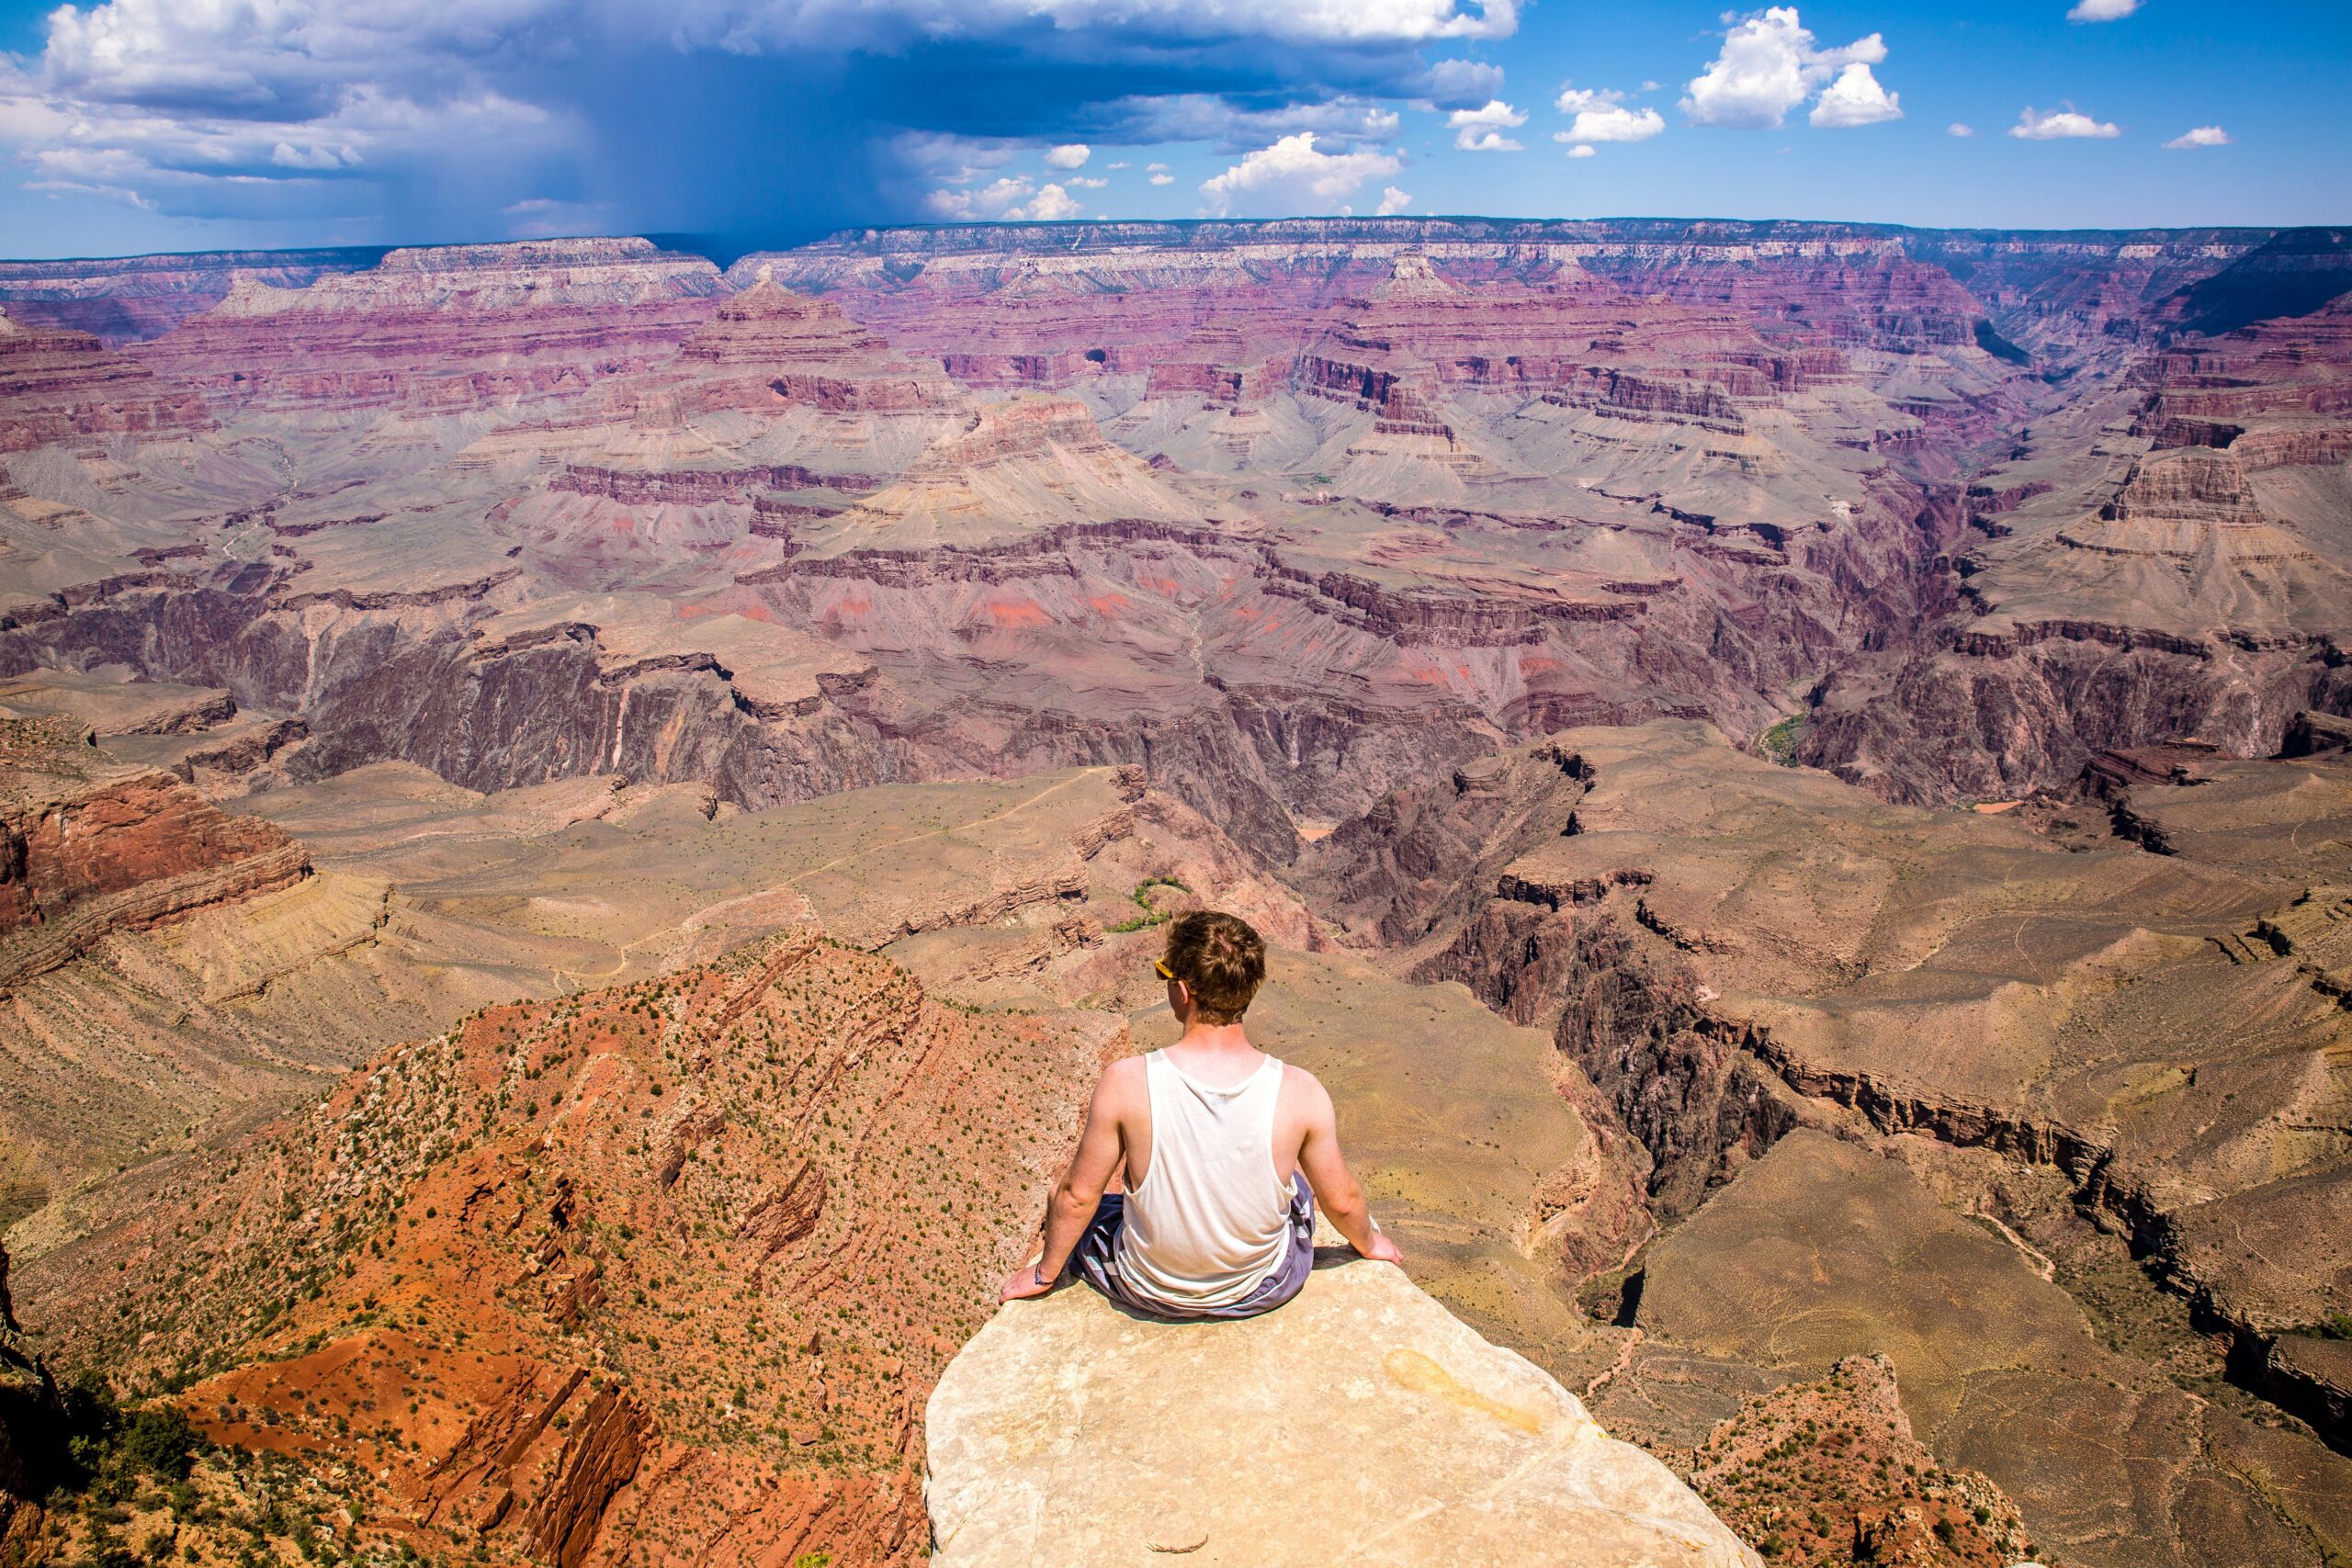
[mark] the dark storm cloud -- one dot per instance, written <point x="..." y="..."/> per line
<point x="778" y="120"/>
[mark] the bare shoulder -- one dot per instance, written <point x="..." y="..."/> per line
<point x="1304" y="1093"/>
<point x="1123" y="1082"/>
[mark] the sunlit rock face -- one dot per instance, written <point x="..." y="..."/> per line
<point x="1067" y="1431"/>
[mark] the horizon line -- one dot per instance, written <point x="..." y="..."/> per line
<point x="691" y="242"/>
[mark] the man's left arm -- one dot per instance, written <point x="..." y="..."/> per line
<point x="1080" y="1191"/>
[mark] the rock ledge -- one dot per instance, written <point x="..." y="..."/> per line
<point x="1362" y="1424"/>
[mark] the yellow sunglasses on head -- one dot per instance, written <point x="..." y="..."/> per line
<point x="1159" y="967"/>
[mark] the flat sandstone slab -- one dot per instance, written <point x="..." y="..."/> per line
<point x="1362" y="1424"/>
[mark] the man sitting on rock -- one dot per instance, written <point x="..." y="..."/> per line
<point x="1224" y="1153"/>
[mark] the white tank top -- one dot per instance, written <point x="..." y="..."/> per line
<point x="1210" y="1220"/>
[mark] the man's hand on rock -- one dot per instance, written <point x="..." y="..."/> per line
<point x="1380" y="1249"/>
<point x="1024" y="1282"/>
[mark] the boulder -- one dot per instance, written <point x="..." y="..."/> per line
<point x="1360" y="1424"/>
<point x="2310" y="734"/>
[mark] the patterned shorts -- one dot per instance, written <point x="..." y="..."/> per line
<point x="1095" y="1261"/>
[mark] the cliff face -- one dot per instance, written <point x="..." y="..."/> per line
<point x="1317" y="508"/>
<point x="128" y="298"/>
<point x="2185" y="585"/>
<point x="447" y="329"/>
<point x="1361" y="1423"/>
<point x="88" y="847"/>
<point x="61" y="386"/>
<point x="766" y="347"/>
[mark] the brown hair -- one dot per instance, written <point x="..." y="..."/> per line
<point x="1220" y="960"/>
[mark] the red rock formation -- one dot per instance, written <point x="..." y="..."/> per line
<point x="59" y="386"/>
<point x="1828" y="1473"/>
<point x="662" y="1273"/>
<point x="2289" y="380"/>
<point x="767" y="348"/>
<point x="88" y="847"/>
<point x="446" y="329"/>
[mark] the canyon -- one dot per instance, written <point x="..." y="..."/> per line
<point x="575" y="824"/>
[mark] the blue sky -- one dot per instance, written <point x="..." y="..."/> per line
<point x="163" y="124"/>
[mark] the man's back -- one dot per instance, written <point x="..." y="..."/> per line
<point x="1209" y="1194"/>
<point x="1224" y="1152"/>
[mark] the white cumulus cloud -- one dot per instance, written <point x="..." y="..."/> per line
<point x="1293" y="176"/>
<point x="2061" y="125"/>
<point x="1770" y="63"/>
<point x="261" y="107"/>
<point x="1071" y="156"/>
<point x="1013" y="198"/>
<point x="1602" y="116"/>
<point x="989" y="201"/>
<point x="1481" y="130"/>
<point x="1957" y="129"/>
<point x="1393" y="201"/>
<point x="2102" y="10"/>
<point x="1854" y="98"/>
<point x="1051" y="205"/>
<point x="1584" y="150"/>
<point x="1232" y="127"/>
<point x="2200" y="136"/>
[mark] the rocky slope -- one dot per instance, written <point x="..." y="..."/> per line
<point x="661" y="1270"/>
<point x="2182" y="580"/>
<point x="1844" y="1439"/>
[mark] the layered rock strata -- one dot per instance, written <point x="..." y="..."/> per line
<point x="88" y="847"/>
<point x="59" y="386"/>
<point x="125" y="299"/>
<point x="1742" y="958"/>
<point x="444" y="330"/>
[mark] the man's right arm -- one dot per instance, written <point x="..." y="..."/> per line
<point x="1336" y="1191"/>
<point x="1100" y="1150"/>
